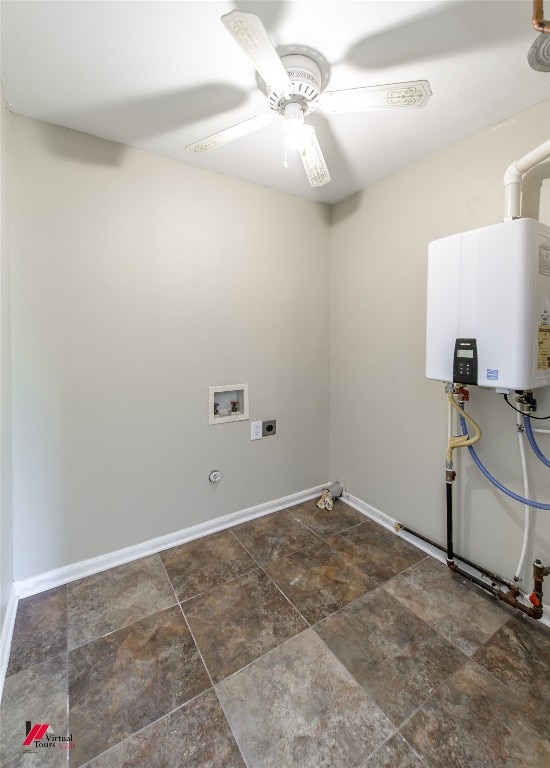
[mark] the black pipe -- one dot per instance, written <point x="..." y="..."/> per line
<point x="402" y="527"/>
<point x="494" y="590"/>
<point x="480" y="568"/>
<point x="450" y="554"/>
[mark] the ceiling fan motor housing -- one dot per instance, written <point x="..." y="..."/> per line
<point x="305" y="76"/>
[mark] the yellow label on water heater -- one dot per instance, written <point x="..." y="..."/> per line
<point x="544" y="348"/>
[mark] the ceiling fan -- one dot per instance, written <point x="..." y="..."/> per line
<point x="294" y="85"/>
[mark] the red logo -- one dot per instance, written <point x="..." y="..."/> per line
<point x="35" y="732"/>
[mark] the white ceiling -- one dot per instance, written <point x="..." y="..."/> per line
<point x="160" y="75"/>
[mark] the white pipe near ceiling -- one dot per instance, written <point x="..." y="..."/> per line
<point x="514" y="175"/>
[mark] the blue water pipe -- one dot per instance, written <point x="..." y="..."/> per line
<point x="533" y="443"/>
<point x="493" y="480"/>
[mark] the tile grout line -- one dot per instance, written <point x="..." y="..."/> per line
<point x="170" y="582"/>
<point x="259" y="658"/>
<point x="124" y="626"/>
<point x="288" y="600"/>
<point x="397" y="728"/>
<point x="214" y="685"/>
<point x="144" y="728"/>
<point x="403" y="600"/>
<point x="515" y="616"/>
<point x="131" y="735"/>
<point x="188" y="627"/>
<point x="213" y="688"/>
<point x="303" y="523"/>
<point x="469" y="660"/>
<point x="68" y="698"/>
<point x="219" y="584"/>
<point x="248" y="552"/>
<point x="333" y="613"/>
<point x="262" y="568"/>
<point x="282" y="557"/>
<point x="241" y="752"/>
<point x="298" y="520"/>
<point x="309" y="625"/>
<point x="130" y="623"/>
<point x="196" y="646"/>
<point x="419" y="708"/>
<point x="333" y="549"/>
<point x="370" y="576"/>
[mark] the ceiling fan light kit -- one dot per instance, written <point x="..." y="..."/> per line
<point x="304" y="75"/>
<point x="293" y="117"/>
<point x="294" y="85"/>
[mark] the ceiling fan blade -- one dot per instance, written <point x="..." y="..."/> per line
<point x="229" y="134"/>
<point x="313" y="160"/>
<point x="250" y="34"/>
<point x="414" y="93"/>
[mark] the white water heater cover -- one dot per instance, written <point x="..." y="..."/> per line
<point x="492" y="285"/>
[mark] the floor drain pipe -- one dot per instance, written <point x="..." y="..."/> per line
<point x="336" y="489"/>
<point x="333" y="491"/>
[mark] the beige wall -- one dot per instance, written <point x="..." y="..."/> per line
<point x="6" y="512"/>
<point x="138" y="282"/>
<point x="388" y="423"/>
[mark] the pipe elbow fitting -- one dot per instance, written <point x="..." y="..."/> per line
<point x="512" y="175"/>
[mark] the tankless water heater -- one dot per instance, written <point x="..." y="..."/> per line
<point x="488" y="313"/>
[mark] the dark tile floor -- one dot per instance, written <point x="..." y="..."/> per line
<point x="303" y="639"/>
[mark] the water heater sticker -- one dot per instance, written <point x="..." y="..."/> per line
<point x="492" y="374"/>
<point x="544" y="348"/>
<point x="544" y="257"/>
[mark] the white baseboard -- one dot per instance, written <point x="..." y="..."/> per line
<point x="68" y="573"/>
<point x="388" y="522"/>
<point x="7" y="634"/>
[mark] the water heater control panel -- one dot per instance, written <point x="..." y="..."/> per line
<point x="465" y="362"/>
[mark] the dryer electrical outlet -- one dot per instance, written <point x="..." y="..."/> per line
<point x="492" y="285"/>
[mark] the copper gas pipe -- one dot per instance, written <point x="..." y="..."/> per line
<point x="538" y="18"/>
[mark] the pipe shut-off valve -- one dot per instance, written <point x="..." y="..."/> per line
<point x="526" y="400"/>
<point x="539" y="572"/>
